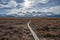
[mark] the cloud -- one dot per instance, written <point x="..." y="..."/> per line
<point x="54" y="9"/>
<point x="6" y="8"/>
<point x="4" y="2"/>
<point x="11" y="4"/>
<point x="22" y="6"/>
<point x="19" y="1"/>
<point x="39" y="1"/>
<point x="42" y="1"/>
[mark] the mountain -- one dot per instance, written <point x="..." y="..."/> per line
<point x="33" y="14"/>
<point x="57" y="16"/>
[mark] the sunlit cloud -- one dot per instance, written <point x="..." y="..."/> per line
<point x="26" y="4"/>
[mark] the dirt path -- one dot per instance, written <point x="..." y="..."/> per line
<point x="33" y="33"/>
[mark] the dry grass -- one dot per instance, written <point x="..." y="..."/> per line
<point x="16" y="28"/>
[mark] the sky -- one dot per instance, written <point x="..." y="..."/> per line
<point x="22" y="6"/>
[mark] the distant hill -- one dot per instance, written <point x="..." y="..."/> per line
<point x="34" y="14"/>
